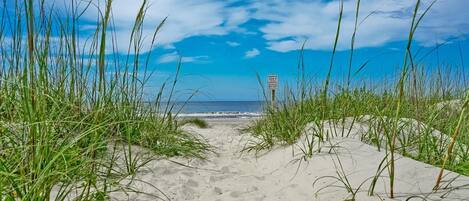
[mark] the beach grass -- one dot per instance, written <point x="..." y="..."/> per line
<point x="70" y="106"/>
<point x="421" y="114"/>
<point x="195" y="121"/>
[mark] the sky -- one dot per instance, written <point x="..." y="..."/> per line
<point x="223" y="44"/>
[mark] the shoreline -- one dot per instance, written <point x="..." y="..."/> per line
<point x="221" y="115"/>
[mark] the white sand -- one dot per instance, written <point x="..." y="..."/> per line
<point x="232" y="175"/>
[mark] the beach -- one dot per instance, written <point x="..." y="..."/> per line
<point x="210" y="100"/>
<point x="229" y="173"/>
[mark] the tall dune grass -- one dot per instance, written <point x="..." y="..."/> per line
<point x="71" y="108"/>
<point x="435" y="99"/>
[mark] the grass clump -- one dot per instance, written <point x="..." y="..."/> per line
<point x="414" y="116"/>
<point x="194" y="121"/>
<point x="71" y="113"/>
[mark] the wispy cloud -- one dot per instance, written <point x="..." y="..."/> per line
<point x="286" y="24"/>
<point x="291" y="23"/>
<point x="169" y="46"/>
<point x="252" y="53"/>
<point x="233" y="44"/>
<point x="185" y="18"/>
<point x="174" y="57"/>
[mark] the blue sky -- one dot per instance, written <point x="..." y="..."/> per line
<point x="224" y="43"/>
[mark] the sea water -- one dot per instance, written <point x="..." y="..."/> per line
<point x="219" y="109"/>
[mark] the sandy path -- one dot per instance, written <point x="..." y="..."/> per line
<point x="232" y="175"/>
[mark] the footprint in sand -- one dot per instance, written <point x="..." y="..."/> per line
<point x="214" y="179"/>
<point x="187" y="193"/>
<point x="189" y="174"/>
<point x="225" y="169"/>
<point x="260" y="178"/>
<point x="236" y="194"/>
<point x="198" y="163"/>
<point x="217" y="191"/>
<point x="169" y="171"/>
<point x="192" y="183"/>
<point x="253" y="189"/>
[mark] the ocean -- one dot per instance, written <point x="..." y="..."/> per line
<point x="220" y="109"/>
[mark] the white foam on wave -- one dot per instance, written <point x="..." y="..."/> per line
<point x="220" y="115"/>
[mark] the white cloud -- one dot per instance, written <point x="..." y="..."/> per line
<point x="232" y="43"/>
<point x="169" y="46"/>
<point x="185" y="19"/>
<point x="174" y="57"/>
<point x="290" y="23"/>
<point x="252" y="53"/>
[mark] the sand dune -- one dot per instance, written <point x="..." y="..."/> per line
<point x="278" y="175"/>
